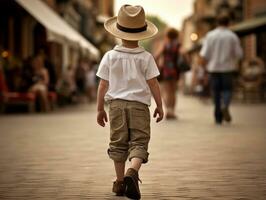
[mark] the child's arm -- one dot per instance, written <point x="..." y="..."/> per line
<point x="102" y="89"/>
<point x="155" y="90"/>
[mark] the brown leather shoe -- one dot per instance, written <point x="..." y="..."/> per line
<point x="119" y="188"/>
<point x="132" y="185"/>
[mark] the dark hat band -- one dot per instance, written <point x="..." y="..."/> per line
<point x="131" y="30"/>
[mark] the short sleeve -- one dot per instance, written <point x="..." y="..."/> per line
<point x="152" y="69"/>
<point x="238" y="49"/>
<point x="103" y="70"/>
<point x="205" y="49"/>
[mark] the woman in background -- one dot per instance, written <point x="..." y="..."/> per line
<point x="169" y="53"/>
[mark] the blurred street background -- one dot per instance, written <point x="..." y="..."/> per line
<point x="50" y="144"/>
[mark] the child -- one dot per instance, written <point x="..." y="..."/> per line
<point x="127" y="80"/>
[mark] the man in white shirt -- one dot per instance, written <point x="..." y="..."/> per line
<point x="220" y="51"/>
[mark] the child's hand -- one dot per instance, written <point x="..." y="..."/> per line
<point x="158" y="111"/>
<point x="102" y="118"/>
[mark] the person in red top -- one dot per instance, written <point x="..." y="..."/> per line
<point x="169" y="53"/>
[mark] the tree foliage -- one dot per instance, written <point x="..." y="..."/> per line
<point x="159" y="23"/>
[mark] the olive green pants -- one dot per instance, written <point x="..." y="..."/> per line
<point x="129" y="130"/>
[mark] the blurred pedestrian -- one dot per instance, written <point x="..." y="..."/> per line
<point x="201" y="82"/>
<point x="91" y="82"/>
<point x="40" y="82"/>
<point x="80" y="75"/>
<point x="50" y="68"/>
<point x="66" y="86"/>
<point x="220" y="51"/>
<point x="169" y="51"/>
<point x="128" y="78"/>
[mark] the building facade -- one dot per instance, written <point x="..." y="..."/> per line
<point x="248" y="20"/>
<point x="255" y="9"/>
<point x="87" y="17"/>
<point x="204" y="16"/>
<point x="196" y="26"/>
<point x="22" y="35"/>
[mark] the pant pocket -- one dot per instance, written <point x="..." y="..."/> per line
<point x="116" y="118"/>
<point x="139" y="118"/>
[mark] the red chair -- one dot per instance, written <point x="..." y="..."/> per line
<point x="15" y="98"/>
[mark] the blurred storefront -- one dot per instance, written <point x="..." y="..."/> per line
<point x="252" y="31"/>
<point x="248" y="21"/>
<point x="64" y="32"/>
<point x="66" y="29"/>
<point x="203" y="18"/>
<point x="28" y="26"/>
<point x="195" y="28"/>
<point x="87" y="17"/>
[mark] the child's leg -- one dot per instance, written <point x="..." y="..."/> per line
<point x="136" y="163"/>
<point x="118" y="185"/>
<point x="132" y="178"/>
<point x="120" y="170"/>
<point x="139" y="131"/>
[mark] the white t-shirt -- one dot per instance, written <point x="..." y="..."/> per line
<point x="221" y="48"/>
<point x="127" y="71"/>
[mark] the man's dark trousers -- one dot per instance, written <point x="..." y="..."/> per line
<point x="222" y="89"/>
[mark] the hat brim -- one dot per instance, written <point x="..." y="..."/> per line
<point x="110" y="26"/>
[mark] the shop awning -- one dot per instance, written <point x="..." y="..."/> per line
<point x="250" y="26"/>
<point x="58" y="30"/>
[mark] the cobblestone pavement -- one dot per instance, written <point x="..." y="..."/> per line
<point x="62" y="155"/>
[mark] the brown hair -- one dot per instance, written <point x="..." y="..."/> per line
<point x="172" y="33"/>
<point x="223" y="20"/>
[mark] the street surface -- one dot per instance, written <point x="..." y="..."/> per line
<point x="62" y="155"/>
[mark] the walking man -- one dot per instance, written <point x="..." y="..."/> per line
<point x="220" y="51"/>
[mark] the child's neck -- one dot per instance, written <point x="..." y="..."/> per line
<point x="130" y="44"/>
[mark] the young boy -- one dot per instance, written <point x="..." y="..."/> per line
<point x="128" y="78"/>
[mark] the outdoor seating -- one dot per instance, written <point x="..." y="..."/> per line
<point x="15" y="98"/>
<point x="251" y="80"/>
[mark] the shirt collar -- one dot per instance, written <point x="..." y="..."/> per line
<point x="129" y="50"/>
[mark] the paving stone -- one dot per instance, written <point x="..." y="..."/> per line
<point x="62" y="155"/>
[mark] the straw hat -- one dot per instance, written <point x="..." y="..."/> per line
<point x="130" y="24"/>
